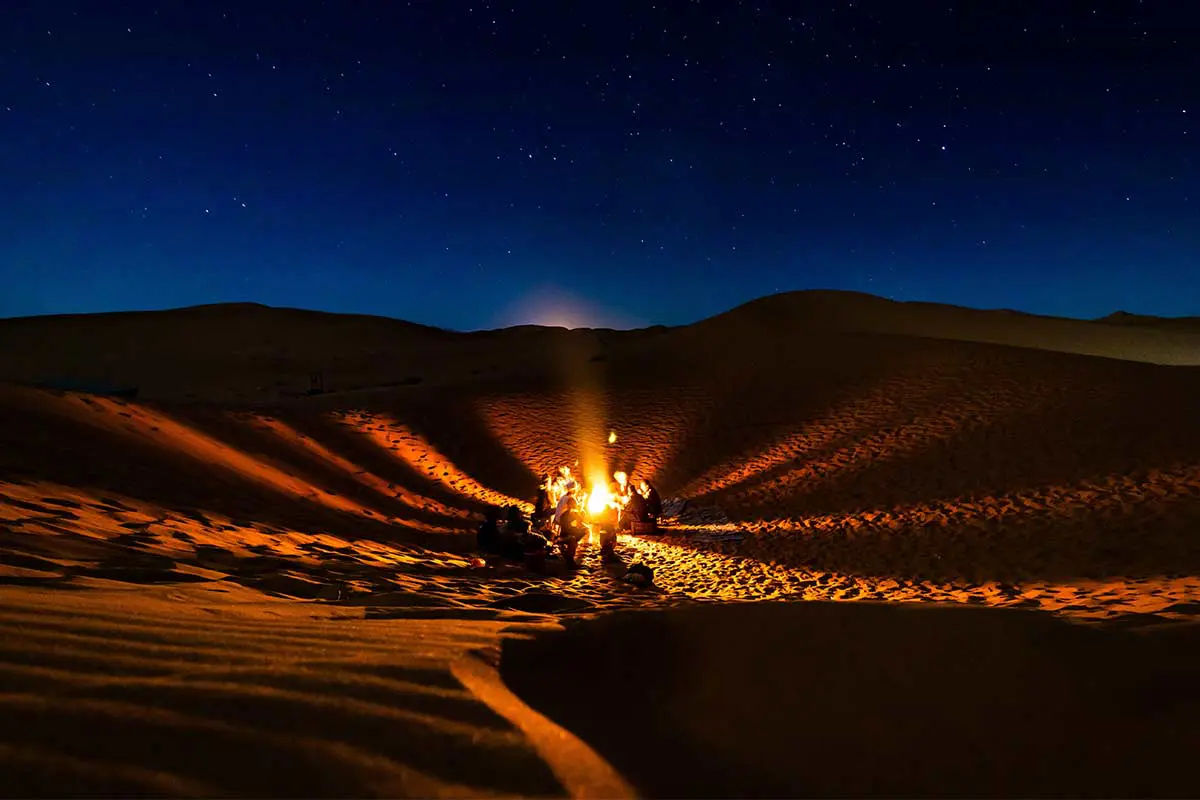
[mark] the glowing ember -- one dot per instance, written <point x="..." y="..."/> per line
<point x="612" y="437"/>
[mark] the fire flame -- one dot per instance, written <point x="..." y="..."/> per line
<point x="599" y="498"/>
<point x="612" y="437"/>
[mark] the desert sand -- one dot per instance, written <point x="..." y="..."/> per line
<point x="979" y="532"/>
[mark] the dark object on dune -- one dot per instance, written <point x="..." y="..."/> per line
<point x="316" y="383"/>
<point x="605" y="524"/>
<point x="654" y="506"/>
<point x="571" y="531"/>
<point x="411" y="380"/>
<point x="488" y="536"/>
<point x="637" y="517"/>
<point x="639" y="575"/>
<point x="536" y="548"/>
<point x="515" y="522"/>
<point x="88" y="387"/>
<point x="643" y="510"/>
<point x="513" y="533"/>
<point x="542" y="509"/>
<point x="635" y="509"/>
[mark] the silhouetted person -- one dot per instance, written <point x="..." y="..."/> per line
<point x="571" y="530"/>
<point x="654" y="506"/>
<point x="512" y="534"/>
<point x="605" y="523"/>
<point x="535" y="547"/>
<point x="515" y="519"/>
<point x="570" y="490"/>
<point x="488" y="536"/>
<point x="543" y="510"/>
<point x="635" y="510"/>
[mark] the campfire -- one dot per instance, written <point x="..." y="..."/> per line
<point x="571" y="510"/>
<point x="602" y="501"/>
<point x="594" y="497"/>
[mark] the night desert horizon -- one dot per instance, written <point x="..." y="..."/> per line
<point x="896" y="556"/>
<point x="599" y="400"/>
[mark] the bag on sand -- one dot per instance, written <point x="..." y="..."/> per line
<point x="639" y="575"/>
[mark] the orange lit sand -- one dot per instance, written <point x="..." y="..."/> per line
<point x="220" y="589"/>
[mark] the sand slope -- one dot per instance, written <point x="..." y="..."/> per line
<point x="1124" y="336"/>
<point x="245" y="352"/>
<point x="213" y="690"/>
<point x="223" y="567"/>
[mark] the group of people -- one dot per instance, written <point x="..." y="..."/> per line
<point x="564" y="515"/>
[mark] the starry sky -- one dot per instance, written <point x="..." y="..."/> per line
<point x="472" y="164"/>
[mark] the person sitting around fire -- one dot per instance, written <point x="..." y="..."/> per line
<point x="635" y="510"/>
<point x="487" y="539"/>
<point x="644" y="509"/>
<point x="606" y="522"/>
<point x="512" y="532"/>
<point x="571" y="530"/>
<point x="570" y="494"/>
<point x="543" y="505"/>
<point x="519" y="543"/>
<point x="654" y="507"/>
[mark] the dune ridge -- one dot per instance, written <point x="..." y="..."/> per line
<point x="245" y="352"/>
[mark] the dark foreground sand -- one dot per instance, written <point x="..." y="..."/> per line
<point x="829" y="699"/>
<point x="222" y="588"/>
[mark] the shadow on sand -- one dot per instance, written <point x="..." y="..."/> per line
<point x="826" y="699"/>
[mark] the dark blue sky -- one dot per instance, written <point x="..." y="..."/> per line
<point x="470" y="164"/>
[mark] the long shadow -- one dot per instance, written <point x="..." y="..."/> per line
<point x="36" y="448"/>
<point x="448" y="420"/>
<point x="652" y="423"/>
<point x="886" y="445"/>
<point x="759" y="402"/>
<point x="1125" y="526"/>
<point x="1081" y="421"/>
<point x="539" y="429"/>
<point x="255" y="440"/>
<point x="827" y="699"/>
<point x="536" y="427"/>
<point x="341" y="435"/>
<point x="860" y="414"/>
<point x="399" y="574"/>
<point x="973" y="548"/>
<point x="824" y="447"/>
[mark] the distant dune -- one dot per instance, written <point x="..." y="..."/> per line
<point x="1156" y="341"/>
<point x="1187" y="324"/>
<point x="224" y="352"/>
<point x="236" y="537"/>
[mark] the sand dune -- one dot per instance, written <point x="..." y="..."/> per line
<point x="223" y="587"/>
<point x="244" y="352"/>
<point x="1154" y="340"/>
<point x="1146" y="321"/>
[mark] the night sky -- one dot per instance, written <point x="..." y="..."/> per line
<point x="471" y="164"/>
